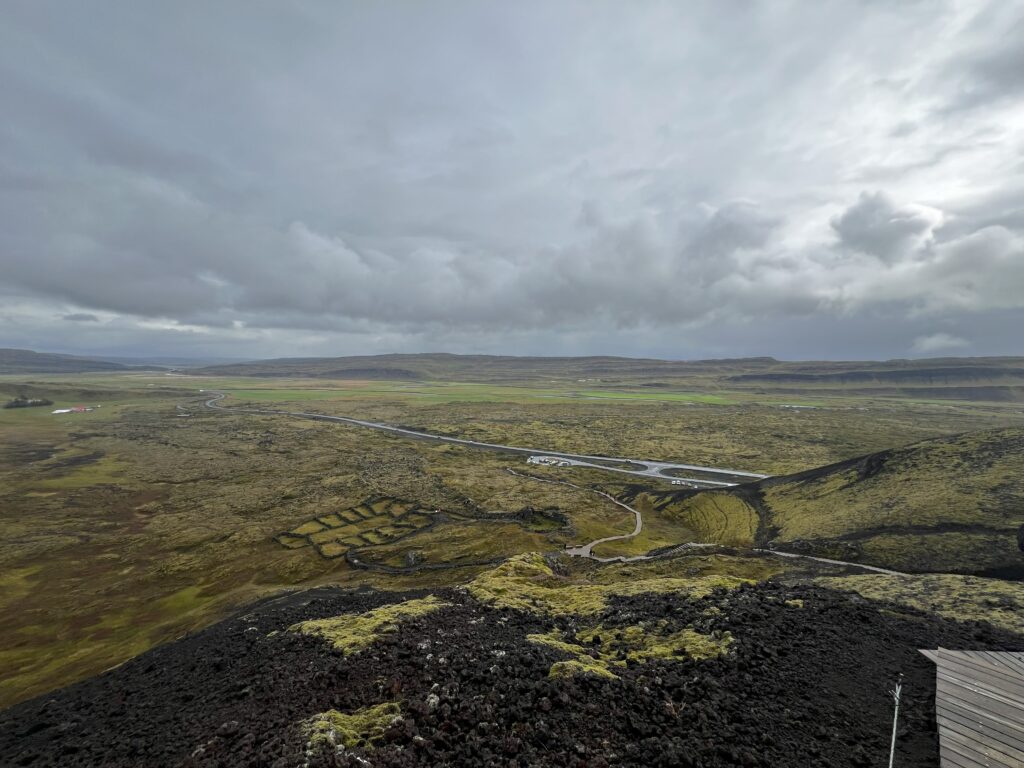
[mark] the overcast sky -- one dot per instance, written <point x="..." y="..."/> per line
<point x="678" y="179"/>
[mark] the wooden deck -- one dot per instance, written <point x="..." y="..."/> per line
<point x="979" y="708"/>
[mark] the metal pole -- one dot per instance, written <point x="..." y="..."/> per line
<point x="895" y="718"/>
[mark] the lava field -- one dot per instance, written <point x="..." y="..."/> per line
<point x="804" y="683"/>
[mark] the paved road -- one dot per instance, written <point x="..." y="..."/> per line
<point x="872" y="568"/>
<point x="651" y="468"/>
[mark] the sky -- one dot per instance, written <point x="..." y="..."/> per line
<point x="838" y="180"/>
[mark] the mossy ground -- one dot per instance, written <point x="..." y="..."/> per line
<point x="528" y="583"/>
<point x="352" y="633"/>
<point x="975" y="478"/>
<point x="362" y="728"/>
<point x="128" y="526"/>
<point x="953" y="504"/>
<point x="964" y="598"/>
<point x="712" y="517"/>
<point x="601" y="650"/>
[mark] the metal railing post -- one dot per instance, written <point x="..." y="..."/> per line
<point x="895" y="693"/>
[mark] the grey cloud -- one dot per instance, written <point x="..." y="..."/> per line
<point x="990" y="70"/>
<point x="81" y="317"/>
<point x="336" y="176"/>
<point x="877" y="226"/>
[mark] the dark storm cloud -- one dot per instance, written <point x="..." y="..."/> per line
<point x="876" y="225"/>
<point x="332" y="178"/>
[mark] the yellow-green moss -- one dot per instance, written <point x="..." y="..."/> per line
<point x="975" y="478"/>
<point x="797" y="603"/>
<point x="526" y="582"/>
<point x="362" y="728"/>
<point x="967" y="598"/>
<point x="583" y="665"/>
<point x="598" y="650"/>
<point x="352" y="632"/>
<point x="713" y="517"/>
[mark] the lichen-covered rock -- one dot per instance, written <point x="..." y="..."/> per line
<point x="363" y="728"/>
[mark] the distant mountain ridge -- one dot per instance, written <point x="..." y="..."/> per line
<point x="995" y="379"/>
<point x="979" y="378"/>
<point x="13" y="361"/>
<point x="437" y="365"/>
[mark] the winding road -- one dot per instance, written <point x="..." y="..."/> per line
<point x="586" y="550"/>
<point x="651" y="469"/>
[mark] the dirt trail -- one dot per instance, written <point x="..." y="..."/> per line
<point x="585" y="550"/>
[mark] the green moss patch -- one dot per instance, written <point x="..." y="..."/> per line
<point x="584" y="665"/>
<point x="352" y="632"/>
<point x="362" y="728"/>
<point x="600" y="650"/>
<point x="527" y="583"/>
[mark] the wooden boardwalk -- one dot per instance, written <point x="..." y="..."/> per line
<point x="979" y="708"/>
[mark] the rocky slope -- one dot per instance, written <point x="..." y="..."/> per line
<point x="528" y="665"/>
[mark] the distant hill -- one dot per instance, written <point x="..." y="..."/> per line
<point x="439" y="367"/>
<point x="170" y="362"/>
<point x="983" y="378"/>
<point x="27" y="361"/>
<point x="952" y="504"/>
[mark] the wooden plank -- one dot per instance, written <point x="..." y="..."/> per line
<point x="984" y="663"/>
<point x="945" y="681"/>
<point x="970" y="753"/>
<point x="967" y="743"/>
<point x="1012" y="661"/>
<point x="974" y="703"/>
<point x="950" y="759"/>
<point x="998" y="656"/>
<point x="984" y="682"/>
<point x="967" y="756"/>
<point x="978" y="663"/>
<point x="1005" y="662"/>
<point x="979" y="708"/>
<point x="989" y="729"/>
<point x="983" y="741"/>
<point x="993" y="722"/>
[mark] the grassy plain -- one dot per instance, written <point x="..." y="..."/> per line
<point x="134" y="523"/>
